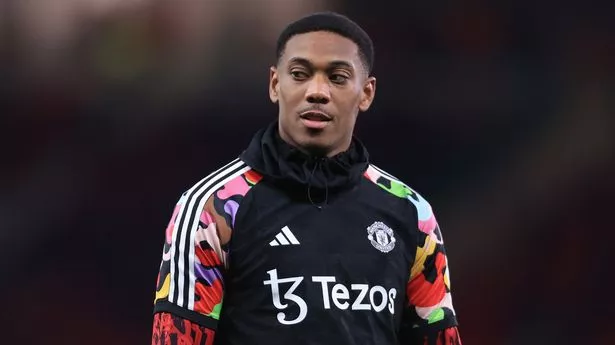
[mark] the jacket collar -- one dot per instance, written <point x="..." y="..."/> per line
<point x="271" y="156"/>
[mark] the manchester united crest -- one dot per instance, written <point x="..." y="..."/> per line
<point x="381" y="237"/>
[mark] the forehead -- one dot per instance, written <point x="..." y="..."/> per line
<point x="322" y="47"/>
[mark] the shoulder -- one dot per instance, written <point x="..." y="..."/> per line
<point x="218" y="193"/>
<point x="234" y="178"/>
<point x="394" y="186"/>
<point x="215" y="199"/>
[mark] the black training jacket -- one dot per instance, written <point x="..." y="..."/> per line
<point x="278" y="247"/>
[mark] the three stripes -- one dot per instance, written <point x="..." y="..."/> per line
<point x="182" y="289"/>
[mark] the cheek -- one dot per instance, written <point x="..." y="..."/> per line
<point x="289" y="96"/>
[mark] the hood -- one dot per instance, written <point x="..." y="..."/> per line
<point x="272" y="157"/>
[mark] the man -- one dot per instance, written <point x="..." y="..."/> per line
<point x="301" y="240"/>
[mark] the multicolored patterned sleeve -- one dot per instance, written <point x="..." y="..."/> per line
<point x="190" y="283"/>
<point x="170" y="329"/>
<point x="430" y="313"/>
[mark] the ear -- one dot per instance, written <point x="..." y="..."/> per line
<point x="369" y="92"/>
<point x="274" y="87"/>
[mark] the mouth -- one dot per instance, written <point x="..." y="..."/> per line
<point x="315" y="115"/>
<point x="315" y="119"/>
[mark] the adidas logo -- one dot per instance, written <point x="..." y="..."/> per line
<point x="284" y="238"/>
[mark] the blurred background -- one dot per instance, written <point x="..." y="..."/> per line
<point x="500" y="113"/>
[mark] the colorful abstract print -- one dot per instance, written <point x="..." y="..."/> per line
<point x="211" y="237"/>
<point x="169" y="329"/>
<point x="428" y="289"/>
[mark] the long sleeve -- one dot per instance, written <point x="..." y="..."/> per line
<point x="190" y="285"/>
<point x="170" y="329"/>
<point x="189" y="288"/>
<point x="430" y="317"/>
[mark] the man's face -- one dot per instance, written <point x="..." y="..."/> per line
<point x="321" y="85"/>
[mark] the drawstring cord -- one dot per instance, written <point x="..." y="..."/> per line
<point x="309" y="191"/>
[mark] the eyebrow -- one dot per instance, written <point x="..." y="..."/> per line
<point x="332" y="64"/>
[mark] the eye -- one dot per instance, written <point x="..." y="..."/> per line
<point x="298" y="75"/>
<point x="338" y="78"/>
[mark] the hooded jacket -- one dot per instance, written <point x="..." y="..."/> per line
<point x="279" y="247"/>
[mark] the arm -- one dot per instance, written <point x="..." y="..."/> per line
<point x="430" y="317"/>
<point x="172" y="329"/>
<point x="189" y="287"/>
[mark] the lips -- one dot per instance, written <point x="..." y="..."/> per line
<point x="315" y="115"/>
<point x="315" y="120"/>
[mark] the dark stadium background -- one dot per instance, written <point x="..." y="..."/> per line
<point x="500" y="113"/>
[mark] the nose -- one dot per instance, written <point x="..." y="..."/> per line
<point x="318" y="90"/>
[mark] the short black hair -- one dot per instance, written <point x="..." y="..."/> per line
<point x="332" y="22"/>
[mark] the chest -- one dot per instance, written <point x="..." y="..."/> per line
<point x="355" y="238"/>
